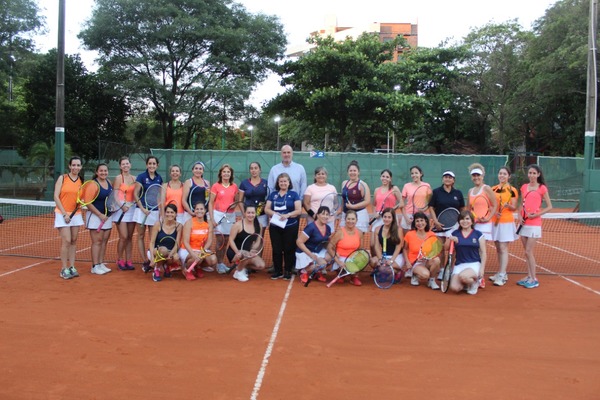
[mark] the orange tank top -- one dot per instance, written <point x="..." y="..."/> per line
<point x="68" y="194"/>
<point x="198" y="234"/>
<point x="348" y="243"/>
<point x="174" y="196"/>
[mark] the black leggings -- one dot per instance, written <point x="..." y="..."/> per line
<point x="283" y="242"/>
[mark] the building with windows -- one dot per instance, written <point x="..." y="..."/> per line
<point x="386" y="30"/>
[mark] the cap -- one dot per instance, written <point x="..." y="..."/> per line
<point x="476" y="171"/>
<point x="449" y="173"/>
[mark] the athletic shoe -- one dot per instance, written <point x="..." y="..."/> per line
<point x="472" y="288"/>
<point x="97" y="269"/>
<point x="523" y="281"/>
<point x="408" y="273"/>
<point x="105" y="268"/>
<point x="65" y="273"/>
<point x="500" y="280"/>
<point x="287" y="277"/>
<point x="355" y="281"/>
<point x="174" y="267"/>
<point x="121" y="265"/>
<point x="271" y="269"/>
<point x="73" y="271"/>
<point x="276" y="275"/>
<point x="222" y="268"/>
<point x="188" y="275"/>
<point x="198" y="273"/>
<point x="441" y="274"/>
<point x="146" y="267"/>
<point x="414" y="280"/>
<point x="320" y="277"/>
<point x="208" y="269"/>
<point x="129" y="265"/>
<point x="304" y="277"/>
<point x="432" y="284"/>
<point x="481" y="283"/>
<point x="241" y="276"/>
<point x="167" y="273"/>
<point x="398" y="276"/>
<point x="531" y="284"/>
<point x="156" y="275"/>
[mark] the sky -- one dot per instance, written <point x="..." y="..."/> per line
<point x="438" y="20"/>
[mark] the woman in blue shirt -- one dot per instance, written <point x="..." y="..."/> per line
<point x="283" y="207"/>
<point x="471" y="255"/>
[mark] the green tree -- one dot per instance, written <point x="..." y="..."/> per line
<point x="344" y="90"/>
<point x="189" y="58"/>
<point x="556" y="86"/>
<point x="92" y="112"/>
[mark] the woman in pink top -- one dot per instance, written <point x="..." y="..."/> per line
<point x="125" y="182"/>
<point x="222" y="195"/>
<point x="532" y="226"/>
<point x="315" y="193"/>
<point x="173" y="193"/>
<point x="408" y="195"/>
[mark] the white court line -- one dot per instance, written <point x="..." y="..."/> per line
<point x="23" y="268"/>
<point x="569" y="252"/>
<point x="265" y="360"/>
<point x="559" y="275"/>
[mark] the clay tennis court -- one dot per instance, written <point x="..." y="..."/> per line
<point x="123" y="336"/>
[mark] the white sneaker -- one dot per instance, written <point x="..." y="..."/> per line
<point x="408" y="273"/>
<point x="105" y="268"/>
<point x="472" y="289"/>
<point x="432" y="284"/>
<point x="97" y="269"/>
<point x="500" y="280"/>
<point x="241" y="276"/>
<point x="441" y="274"/>
<point x="414" y="280"/>
<point x="208" y="269"/>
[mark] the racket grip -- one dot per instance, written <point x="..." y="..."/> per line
<point x="191" y="267"/>
<point x="334" y="280"/>
<point x="100" y="226"/>
<point x="74" y="211"/>
<point x="519" y="228"/>
<point x="372" y="220"/>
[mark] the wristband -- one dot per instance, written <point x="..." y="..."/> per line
<point x="311" y="213"/>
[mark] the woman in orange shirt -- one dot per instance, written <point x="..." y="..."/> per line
<point x="197" y="236"/>
<point x="173" y="192"/>
<point x="417" y="269"/>
<point x="65" y="197"/>
<point x="125" y="182"/>
<point x="347" y="239"/>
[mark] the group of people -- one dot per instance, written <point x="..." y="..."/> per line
<point x="195" y="216"/>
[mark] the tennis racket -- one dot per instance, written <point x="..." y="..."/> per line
<point x="202" y="254"/>
<point x="198" y="194"/>
<point x="152" y="198"/>
<point x="392" y="200"/>
<point x="137" y="188"/>
<point x="333" y="201"/>
<point x="113" y="203"/>
<point x="384" y="274"/>
<point x="503" y="201"/>
<point x="219" y="243"/>
<point x="224" y="217"/>
<point x="260" y="206"/>
<point x="447" y="218"/>
<point x="163" y="249"/>
<point x="87" y="193"/>
<point x="318" y="268"/>
<point x="355" y="262"/>
<point x="251" y="247"/>
<point x="531" y="204"/>
<point x="481" y="208"/>
<point x="447" y="273"/>
<point x="430" y="248"/>
<point x="421" y="198"/>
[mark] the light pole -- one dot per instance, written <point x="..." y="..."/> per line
<point x="250" y="128"/>
<point x="277" y="119"/>
<point x="397" y="89"/>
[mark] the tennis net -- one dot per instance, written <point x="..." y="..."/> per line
<point x="568" y="245"/>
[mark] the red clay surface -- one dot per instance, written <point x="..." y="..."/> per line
<point x="123" y="336"/>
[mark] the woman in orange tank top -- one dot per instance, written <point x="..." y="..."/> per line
<point x="347" y="239"/>
<point x="125" y="182"/>
<point x="65" y="197"/>
<point x="174" y="192"/>
<point x="196" y="243"/>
